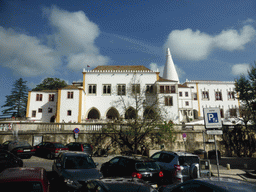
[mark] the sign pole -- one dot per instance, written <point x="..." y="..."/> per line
<point x="217" y="158"/>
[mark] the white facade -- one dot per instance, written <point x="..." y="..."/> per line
<point x="100" y="94"/>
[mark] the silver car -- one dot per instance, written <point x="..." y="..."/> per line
<point x="177" y="166"/>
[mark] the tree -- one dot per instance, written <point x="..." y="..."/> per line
<point x="143" y="120"/>
<point x="50" y="84"/>
<point x="16" y="103"/>
<point x="245" y="87"/>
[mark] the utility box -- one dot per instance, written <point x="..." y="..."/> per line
<point x="205" y="168"/>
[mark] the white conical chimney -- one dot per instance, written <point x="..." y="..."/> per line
<point x="170" y="72"/>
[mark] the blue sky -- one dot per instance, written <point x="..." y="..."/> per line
<point x="208" y="39"/>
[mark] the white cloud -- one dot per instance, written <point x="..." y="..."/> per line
<point x="240" y="69"/>
<point x="74" y="36"/>
<point x="26" y="55"/>
<point x="190" y="45"/>
<point x="155" y="67"/>
<point x="231" y="40"/>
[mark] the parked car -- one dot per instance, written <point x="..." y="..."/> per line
<point x="79" y="146"/>
<point x="222" y="184"/>
<point x="74" y="169"/>
<point x="50" y="149"/>
<point x="139" y="167"/>
<point x="27" y="179"/>
<point x="178" y="166"/>
<point x="118" y="185"/>
<point x="21" y="149"/>
<point x="5" y="144"/>
<point x="9" y="160"/>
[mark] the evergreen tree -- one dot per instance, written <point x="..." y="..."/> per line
<point x="16" y="103"/>
<point x="50" y="84"/>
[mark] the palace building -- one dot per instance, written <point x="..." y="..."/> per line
<point x="117" y="92"/>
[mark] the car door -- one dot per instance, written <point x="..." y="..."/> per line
<point x="124" y="167"/>
<point x="110" y="168"/>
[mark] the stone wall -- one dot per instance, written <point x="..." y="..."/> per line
<point x="63" y="132"/>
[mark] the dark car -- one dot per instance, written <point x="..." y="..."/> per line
<point x="5" y="144"/>
<point x="222" y="184"/>
<point x="50" y="149"/>
<point x="79" y="146"/>
<point x="74" y="169"/>
<point x="178" y="166"/>
<point x="117" y="185"/>
<point x="8" y="160"/>
<point x="21" y="149"/>
<point x="27" y="179"/>
<point x="139" y="167"/>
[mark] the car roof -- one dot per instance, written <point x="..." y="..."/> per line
<point x="227" y="183"/>
<point x="66" y="153"/>
<point x="180" y="153"/>
<point x="137" y="158"/>
<point x="21" y="174"/>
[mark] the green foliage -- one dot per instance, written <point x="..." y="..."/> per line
<point x="16" y="103"/>
<point x="245" y="87"/>
<point x="50" y="84"/>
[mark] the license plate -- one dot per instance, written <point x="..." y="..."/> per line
<point x="26" y="150"/>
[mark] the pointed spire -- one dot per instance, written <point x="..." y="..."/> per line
<point x="170" y="72"/>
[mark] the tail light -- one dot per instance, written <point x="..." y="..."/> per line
<point x="161" y="174"/>
<point x="82" y="147"/>
<point x="138" y="175"/>
<point x="91" y="147"/>
<point x="56" y="150"/>
<point x="19" y="150"/>
<point x="33" y="150"/>
<point x="177" y="168"/>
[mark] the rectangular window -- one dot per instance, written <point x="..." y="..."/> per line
<point x="168" y="101"/>
<point x="39" y="97"/>
<point x="231" y="95"/>
<point x="150" y="89"/>
<point x="92" y="89"/>
<point x="33" y="113"/>
<point x="173" y="89"/>
<point x="195" y="96"/>
<point x="136" y="88"/>
<point x="180" y="94"/>
<point x="40" y="110"/>
<point x="218" y="96"/>
<point x="187" y="103"/>
<point x="70" y="94"/>
<point x="232" y="112"/>
<point x="121" y="90"/>
<point x="51" y="97"/>
<point x="49" y="110"/>
<point x="167" y="89"/>
<point x="186" y="94"/>
<point x="106" y="89"/>
<point x="69" y="112"/>
<point x="161" y="89"/>
<point x="205" y="95"/>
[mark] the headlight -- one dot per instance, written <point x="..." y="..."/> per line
<point x="72" y="183"/>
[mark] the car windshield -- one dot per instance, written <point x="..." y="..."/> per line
<point x="87" y="146"/>
<point x="79" y="162"/>
<point x="59" y="145"/>
<point x="146" y="166"/>
<point x="29" y="186"/>
<point x="189" y="160"/>
<point x="18" y="144"/>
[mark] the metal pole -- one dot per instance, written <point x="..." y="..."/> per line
<point x="217" y="158"/>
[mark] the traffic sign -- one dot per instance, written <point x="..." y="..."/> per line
<point x="214" y="132"/>
<point x="76" y="130"/>
<point x="184" y="135"/>
<point x="212" y="118"/>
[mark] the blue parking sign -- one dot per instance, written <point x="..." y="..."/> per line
<point x="212" y="117"/>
